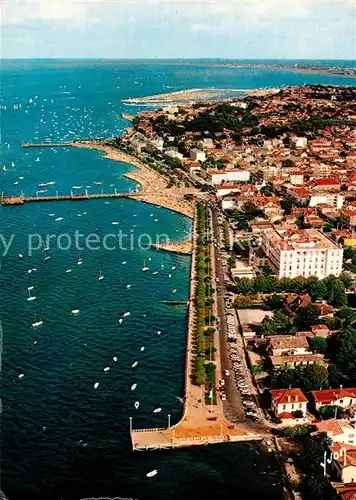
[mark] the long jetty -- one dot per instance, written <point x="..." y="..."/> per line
<point x="46" y="145"/>
<point x="20" y="200"/>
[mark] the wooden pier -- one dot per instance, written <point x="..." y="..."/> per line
<point x="20" y="200"/>
<point x="46" y="145"/>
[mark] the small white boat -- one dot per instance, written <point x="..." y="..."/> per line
<point x="134" y="364"/>
<point x="97" y="182"/>
<point x="37" y="159"/>
<point x="30" y="288"/>
<point x="133" y="387"/>
<point x="128" y="286"/>
<point x="51" y="215"/>
<point x="20" y="255"/>
<point x="152" y="473"/>
<point x="126" y="314"/>
<point x="142" y="348"/>
<point x="37" y="323"/>
<point x="107" y="368"/>
<point x="21" y="375"/>
<point x="68" y="270"/>
<point x="169" y="276"/>
<point x="159" y="332"/>
<point x="15" y="183"/>
<point x="157" y="410"/>
<point x="115" y="223"/>
<point x="114" y="358"/>
<point x="101" y="277"/>
<point x="96" y="385"/>
<point x="123" y="262"/>
<point x="75" y="311"/>
<point x="145" y="268"/>
<point x="57" y="219"/>
<point x="154" y="273"/>
<point x="174" y="291"/>
<point x="136" y="404"/>
<point x="173" y="268"/>
<point x="80" y="261"/>
<point x="120" y="320"/>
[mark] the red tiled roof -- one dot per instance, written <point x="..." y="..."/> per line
<point x="328" y="395"/>
<point x="326" y="182"/>
<point x="282" y="396"/>
<point x="347" y="491"/>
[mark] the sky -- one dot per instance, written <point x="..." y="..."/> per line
<point x="253" y="29"/>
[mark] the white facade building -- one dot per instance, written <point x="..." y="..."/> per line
<point x="287" y="401"/>
<point x="174" y="154"/>
<point x="219" y="176"/>
<point x="197" y="155"/>
<point x="304" y="252"/>
<point x="226" y="189"/>
<point x="334" y="199"/>
<point x="299" y="142"/>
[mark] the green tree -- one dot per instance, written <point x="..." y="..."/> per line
<point x="318" y="344"/>
<point x="318" y="487"/>
<point x="337" y="296"/>
<point x="347" y="316"/>
<point x="345" y="355"/>
<point x="346" y="279"/>
<point x="308" y="316"/>
<point x="318" y="290"/>
<point x="330" y="411"/>
<point x="297" y="431"/>
<point x="312" y="377"/>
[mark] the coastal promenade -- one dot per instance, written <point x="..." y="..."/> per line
<point x="201" y="423"/>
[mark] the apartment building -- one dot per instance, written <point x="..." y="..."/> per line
<point x="302" y="252"/>
<point x="225" y="176"/>
<point x="197" y="155"/>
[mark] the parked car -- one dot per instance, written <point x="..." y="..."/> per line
<point x="226" y="373"/>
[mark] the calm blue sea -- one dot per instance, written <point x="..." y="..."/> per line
<point x="61" y="438"/>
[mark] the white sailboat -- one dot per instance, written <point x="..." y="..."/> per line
<point x="30" y="297"/>
<point x="101" y="277"/>
<point x="145" y="268"/>
<point x="133" y="387"/>
<point x="157" y="410"/>
<point x="142" y="348"/>
<point x="80" y="260"/>
<point x="75" y="311"/>
<point x="37" y="322"/>
<point x="136" y="404"/>
<point x="134" y="364"/>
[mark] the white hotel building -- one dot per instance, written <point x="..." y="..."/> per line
<point x="228" y="176"/>
<point x="304" y="252"/>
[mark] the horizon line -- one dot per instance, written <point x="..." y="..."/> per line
<point x="165" y="59"/>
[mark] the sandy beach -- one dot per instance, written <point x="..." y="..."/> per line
<point x="154" y="188"/>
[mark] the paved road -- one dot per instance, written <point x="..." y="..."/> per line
<point x="233" y="407"/>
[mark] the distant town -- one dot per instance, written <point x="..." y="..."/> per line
<point x="273" y="179"/>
